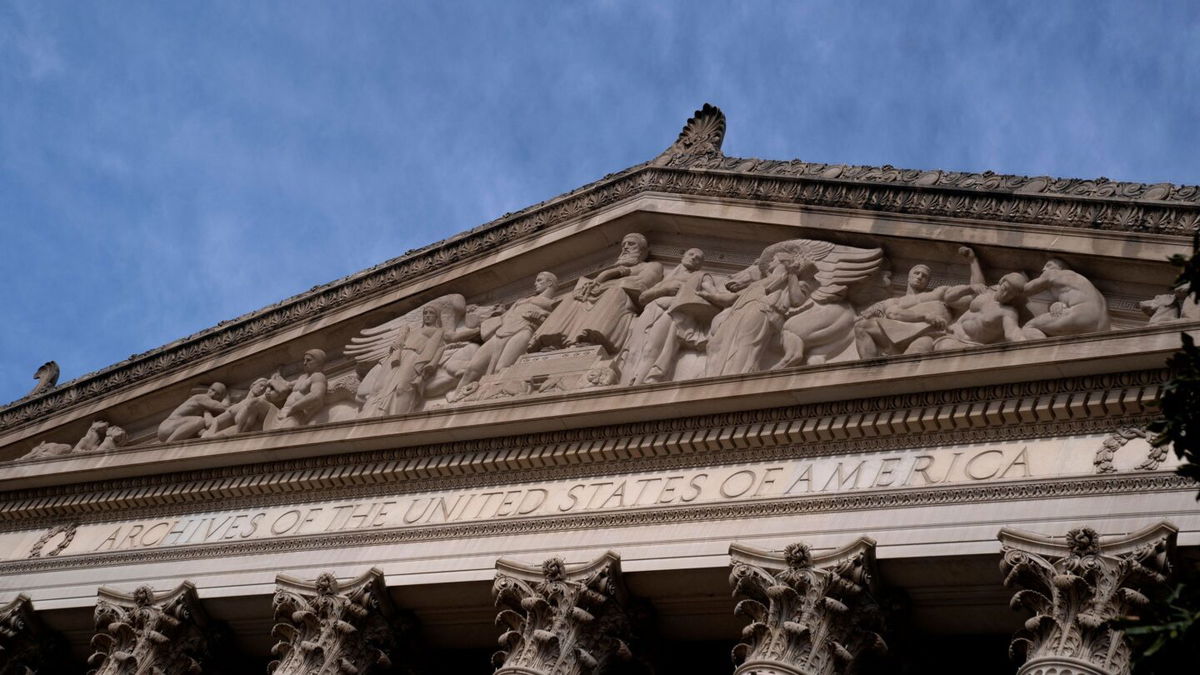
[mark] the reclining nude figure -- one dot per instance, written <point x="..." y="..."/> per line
<point x="190" y="418"/>
<point x="993" y="315"/>
<point x="506" y="338"/>
<point x="247" y="414"/>
<point x="1077" y="307"/>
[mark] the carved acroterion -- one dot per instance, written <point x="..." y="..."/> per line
<point x="562" y="620"/>
<point x="809" y="615"/>
<point x="47" y="377"/>
<point x="1076" y="589"/>
<point x="701" y="137"/>
<point x="148" y="633"/>
<point x="330" y="628"/>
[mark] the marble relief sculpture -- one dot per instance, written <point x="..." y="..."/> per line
<point x="898" y="325"/>
<point x="506" y="337"/>
<point x="412" y="358"/>
<point x="600" y="309"/>
<point x="802" y="302"/>
<point x="305" y="395"/>
<point x="993" y="314"/>
<point x="675" y="317"/>
<point x="1077" y="306"/>
<point x="100" y="437"/>
<point x="194" y="414"/>
<point x="248" y="414"/>
<point x="1178" y="305"/>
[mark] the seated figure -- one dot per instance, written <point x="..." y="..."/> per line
<point x="1077" y="306"/>
<point x="674" y="316"/>
<point x="600" y="309"/>
<point x="897" y="325"/>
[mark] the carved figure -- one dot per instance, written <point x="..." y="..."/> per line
<point x="1178" y="305"/>
<point x="1077" y="306"/>
<point x="412" y="358"/>
<point x="507" y="337"/>
<point x="674" y="316"/>
<point x="193" y="415"/>
<point x="462" y="327"/>
<point x="47" y="377"/>
<point x="600" y="309"/>
<point x="896" y="325"/>
<point x="993" y="314"/>
<point x="247" y="414"/>
<point x="306" y="395"/>
<point x="822" y="326"/>
<point x="756" y="314"/>
<point x="100" y="436"/>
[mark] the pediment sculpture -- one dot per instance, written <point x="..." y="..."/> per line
<point x="645" y="319"/>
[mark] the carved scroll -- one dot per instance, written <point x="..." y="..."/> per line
<point x="154" y="633"/>
<point x="561" y="621"/>
<point x="26" y="646"/>
<point x="1075" y="589"/>
<point x="809" y="615"/>
<point x="328" y="628"/>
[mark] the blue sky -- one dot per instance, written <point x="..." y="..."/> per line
<point x="168" y="165"/>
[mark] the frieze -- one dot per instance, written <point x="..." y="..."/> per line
<point x="1048" y="408"/>
<point x="700" y="486"/>
<point x="695" y="168"/>
<point x="869" y="500"/>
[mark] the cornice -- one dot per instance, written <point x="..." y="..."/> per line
<point x="1048" y="408"/>
<point x="912" y="497"/>
<point x="691" y="166"/>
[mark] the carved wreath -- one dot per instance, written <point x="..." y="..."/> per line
<point x="68" y="529"/>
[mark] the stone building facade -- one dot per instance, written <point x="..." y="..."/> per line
<point x="705" y="415"/>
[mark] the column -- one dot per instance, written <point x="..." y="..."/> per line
<point x="149" y="632"/>
<point x="562" y="619"/>
<point x="26" y="646"/>
<point x="1075" y="588"/>
<point x="809" y="615"/>
<point x="327" y="627"/>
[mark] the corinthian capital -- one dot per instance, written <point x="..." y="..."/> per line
<point x="560" y="619"/>
<point x="1076" y="588"/>
<point x="331" y="628"/>
<point x="809" y="615"/>
<point x="26" y="646"/>
<point x="149" y="632"/>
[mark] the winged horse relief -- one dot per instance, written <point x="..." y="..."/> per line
<point x="822" y="328"/>
<point x="789" y="308"/>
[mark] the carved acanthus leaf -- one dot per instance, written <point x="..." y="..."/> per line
<point x="1076" y="589"/>
<point x="808" y="615"/>
<point x="330" y="628"/>
<point x="149" y="632"/>
<point x="561" y="620"/>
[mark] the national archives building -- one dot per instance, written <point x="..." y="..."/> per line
<point x="708" y="414"/>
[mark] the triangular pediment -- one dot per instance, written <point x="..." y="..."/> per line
<point x="803" y="294"/>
